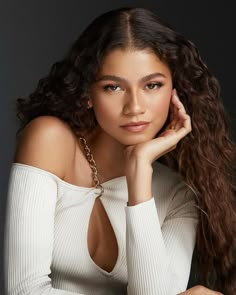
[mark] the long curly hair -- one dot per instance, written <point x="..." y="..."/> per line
<point x="205" y="157"/>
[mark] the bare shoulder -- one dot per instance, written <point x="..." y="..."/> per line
<point x="46" y="142"/>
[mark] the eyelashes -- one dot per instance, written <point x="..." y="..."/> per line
<point x="159" y="84"/>
<point x="109" y="87"/>
<point x="113" y="87"/>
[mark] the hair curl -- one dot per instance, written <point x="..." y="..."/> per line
<point x="205" y="157"/>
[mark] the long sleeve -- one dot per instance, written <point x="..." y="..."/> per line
<point x="28" y="243"/>
<point x="159" y="257"/>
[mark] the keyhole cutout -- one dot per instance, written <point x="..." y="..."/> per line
<point x="101" y="239"/>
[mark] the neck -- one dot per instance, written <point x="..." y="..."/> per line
<point x="108" y="155"/>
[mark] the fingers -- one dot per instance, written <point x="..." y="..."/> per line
<point x="174" y="107"/>
<point x="178" y="109"/>
<point x="178" y="103"/>
<point x="200" y="290"/>
<point x="169" y="138"/>
<point x="179" y="118"/>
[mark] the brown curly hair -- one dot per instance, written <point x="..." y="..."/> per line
<point x="205" y="157"/>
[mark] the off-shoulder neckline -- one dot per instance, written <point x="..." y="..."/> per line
<point x="74" y="186"/>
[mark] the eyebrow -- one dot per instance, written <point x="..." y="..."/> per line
<point x="119" y="79"/>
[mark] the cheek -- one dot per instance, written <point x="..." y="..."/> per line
<point x="161" y="107"/>
<point x="104" y="111"/>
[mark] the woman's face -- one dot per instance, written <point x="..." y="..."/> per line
<point x="131" y="87"/>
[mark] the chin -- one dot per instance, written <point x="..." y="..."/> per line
<point x="134" y="139"/>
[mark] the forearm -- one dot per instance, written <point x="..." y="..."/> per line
<point x="157" y="262"/>
<point x="147" y="259"/>
<point x="139" y="182"/>
<point x="146" y="253"/>
<point x="151" y="246"/>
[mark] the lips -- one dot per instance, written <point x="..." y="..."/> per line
<point x="135" y="126"/>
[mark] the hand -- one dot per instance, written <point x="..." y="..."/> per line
<point x="139" y="158"/>
<point x="200" y="290"/>
<point x="166" y="141"/>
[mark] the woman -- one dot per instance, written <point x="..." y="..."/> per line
<point x="123" y="163"/>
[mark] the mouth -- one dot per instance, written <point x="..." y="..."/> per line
<point x="135" y="126"/>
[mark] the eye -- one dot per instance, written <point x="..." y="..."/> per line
<point x="158" y="84"/>
<point x="110" y="87"/>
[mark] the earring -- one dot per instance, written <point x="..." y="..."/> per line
<point x="89" y="104"/>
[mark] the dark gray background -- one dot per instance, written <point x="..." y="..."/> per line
<point x="34" y="34"/>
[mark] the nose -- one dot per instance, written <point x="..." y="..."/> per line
<point x="134" y="105"/>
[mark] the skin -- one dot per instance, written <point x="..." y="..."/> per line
<point x="132" y="153"/>
<point x="119" y="101"/>
<point x="200" y="290"/>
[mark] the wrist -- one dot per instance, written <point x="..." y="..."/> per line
<point x="137" y="168"/>
<point x="139" y="183"/>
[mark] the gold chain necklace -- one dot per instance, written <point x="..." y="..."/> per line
<point x="92" y="164"/>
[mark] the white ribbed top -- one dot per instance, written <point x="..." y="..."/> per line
<point x="45" y="246"/>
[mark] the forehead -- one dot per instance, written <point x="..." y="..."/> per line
<point x="125" y="62"/>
